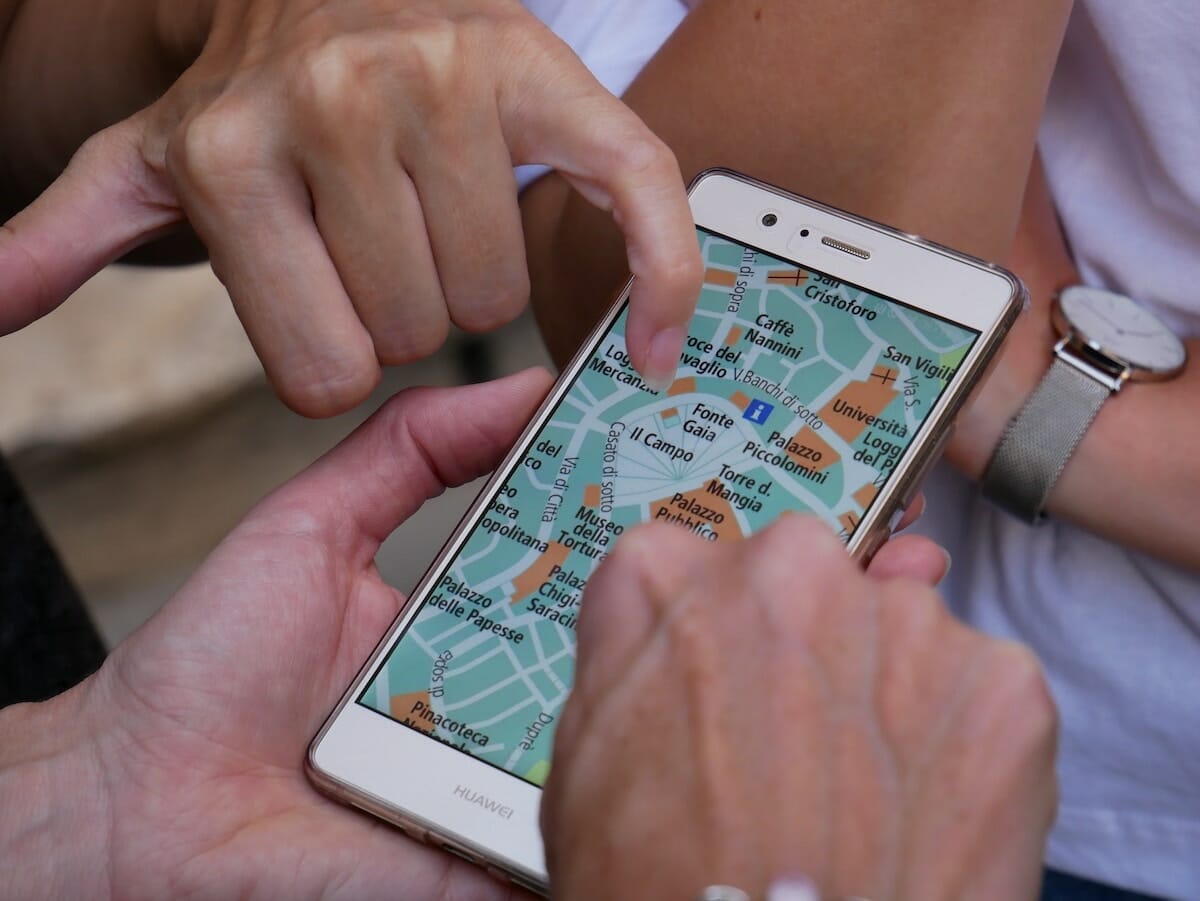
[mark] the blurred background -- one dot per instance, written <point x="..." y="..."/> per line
<point x="138" y="420"/>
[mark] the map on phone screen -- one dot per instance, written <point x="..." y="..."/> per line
<point x="796" y="392"/>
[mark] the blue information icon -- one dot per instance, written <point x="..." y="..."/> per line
<point x="758" y="411"/>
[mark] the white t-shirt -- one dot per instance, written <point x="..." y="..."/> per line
<point x="1118" y="632"/>
<point x="615" y="39"/>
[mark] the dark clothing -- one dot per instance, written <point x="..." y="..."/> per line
<point x="47" y="640"/>
<point x="1065" y="887"/>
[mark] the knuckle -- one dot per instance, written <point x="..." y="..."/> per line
<point x="500" y="305"/>
<point x="326" y="387"/>
<point x="695" y="639"/>
<point x="518" y="35"/>
<point x="682" y="272"/>
<point x="220" y="142"/>
<point x="396" y="415"/>
<point x="1026" y="692"/>
<point x="797" y="565"/>
<point x="543" y="54"/>
<point x="428" y="58"/>
<point x="638" y="553"/>
<point x="103" y="147"/>
<point x="915" y="604"/>
<point x="333" y="83"/>
<point x="915" y="621"/>
<point x="803" y="540"/>
<point x="634" y="552"/>
<point x="640" y="153"/>
<point x="412" y="340"/>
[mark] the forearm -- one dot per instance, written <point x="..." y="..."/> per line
<point x="1133" y="478"/>
<point x="921" y="114"/>
<point x="53" y="820"/>
<point x="69" y="68"/>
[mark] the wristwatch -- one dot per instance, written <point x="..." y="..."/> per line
<point x="1106" y="340"/>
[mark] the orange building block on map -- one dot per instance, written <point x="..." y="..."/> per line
<point x="404" y="707"/>
<point x="721" y="278"/>
<point x="726" y="530"/>
<point x="734" y="336"/>
<point x="530" y="580"/>
<point x="739" y="400"/>
<point x="807" y="437"/>
<point x="682" y="386"/>
<point x="591" y="496"/>
<point x="865" y="495"/>
<point x="847" y="413"/>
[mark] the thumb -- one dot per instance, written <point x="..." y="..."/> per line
<point x="105" y="203"/>
<point x="910" y="557"/>
<point x="419" y="442"/>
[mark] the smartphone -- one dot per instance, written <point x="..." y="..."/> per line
<point x="825" y="363"/>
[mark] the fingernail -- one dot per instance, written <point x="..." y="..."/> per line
<point x="949" y="562"/>
<point x="662" y="361"/>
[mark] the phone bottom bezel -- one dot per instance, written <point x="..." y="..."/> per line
<point x="354" y="760"/>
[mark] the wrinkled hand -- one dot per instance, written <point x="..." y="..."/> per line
<point x="348" y="164"/>
<point x="177" y="769"/>
<point x="181" y="760"/>
<point x="748" y="711"/>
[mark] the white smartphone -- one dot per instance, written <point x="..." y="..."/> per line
<point x="825" y="364"/>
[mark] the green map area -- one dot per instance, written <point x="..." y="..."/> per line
<point x="796" y="392"/>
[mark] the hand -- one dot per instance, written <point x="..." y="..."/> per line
<point x="744" y="712"/>
<point x="348" y="164"/>
<point x="176" y="771"/>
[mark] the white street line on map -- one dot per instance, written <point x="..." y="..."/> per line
<point x="383" y="691"/>
<point x="819" y="337"/>
<point x="475" y="558"/>
<point x="583" y="390"/>
<point x="455" y="671"/>
<point x="576" y="403"/>
<point x="519" y="676"/>
<point x="420" y="642"/>
<point x="546" y="663"/>
<point x="533" y="480"/>
<point x="902" y="315"/>
<point x="520" y="565"/>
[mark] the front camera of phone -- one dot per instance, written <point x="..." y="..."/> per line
<point x="804" y="233"/>
<point x="769" y="219"/>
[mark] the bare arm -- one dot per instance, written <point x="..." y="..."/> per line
<point x="1133" y="479"/>
<point x="925" y="118"/>
<point x="919" y="113"/>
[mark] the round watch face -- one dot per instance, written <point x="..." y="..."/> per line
<point x="1117" y="327"/>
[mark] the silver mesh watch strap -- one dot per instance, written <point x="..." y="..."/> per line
<point x="1041" y="438"/>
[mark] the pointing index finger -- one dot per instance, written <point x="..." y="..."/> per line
<point x="650" y="206"/>
<point x="571" y="123"/>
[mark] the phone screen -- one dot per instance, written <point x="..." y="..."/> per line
<point x="796" y="392"/>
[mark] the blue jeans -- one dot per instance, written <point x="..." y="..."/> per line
<point x="1059" y="886"/>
